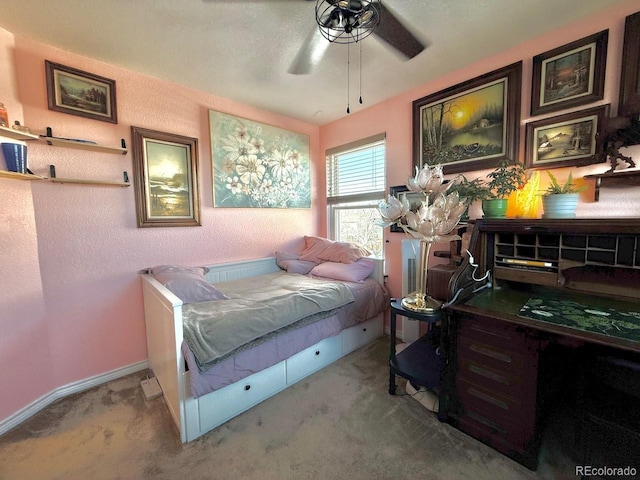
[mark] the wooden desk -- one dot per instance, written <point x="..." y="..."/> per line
<point x="498" y="338"/>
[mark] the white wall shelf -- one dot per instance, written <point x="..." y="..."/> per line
<point x="80" y="181"/>
<point x="20" y="176"/>
<point x="64" y="142"/>
<point x="16" y="134"/>
<point x="83" y="181"/>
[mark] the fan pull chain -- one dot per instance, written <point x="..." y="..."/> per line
<point x="348" y="68"/>
<point x="360" y="73"/>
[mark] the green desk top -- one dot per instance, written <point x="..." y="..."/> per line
<point x="588" y="316"/>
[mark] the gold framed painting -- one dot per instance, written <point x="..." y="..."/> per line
<point x="472" y="125"/>
<point x="165" y="174"/>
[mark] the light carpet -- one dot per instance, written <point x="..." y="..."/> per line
<point x="339" y="423"/>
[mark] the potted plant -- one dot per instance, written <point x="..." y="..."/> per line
<point x="505" y="179"/>
<point x="561" y="200"/>
<point x="469" y="190"/>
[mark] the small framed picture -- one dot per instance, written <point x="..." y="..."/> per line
<point x="165" y="174"/>
<point x="75" y="92"/>
<point x="570" y="75"/>
<point x="573" y="139"/>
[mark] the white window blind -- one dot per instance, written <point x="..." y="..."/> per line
<point x="356" y="172"/>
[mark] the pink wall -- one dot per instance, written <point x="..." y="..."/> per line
<point x="71" y="297"/>
<point x="394" y="117"/>
<point x="24" y="338"/>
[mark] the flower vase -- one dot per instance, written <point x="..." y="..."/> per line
<point x="420" y="301"/>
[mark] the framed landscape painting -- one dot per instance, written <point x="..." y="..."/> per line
<point x="629" y="102"/>
<point x="257" y="165"/>
<point x="165" y="173"/>
<point x="470" y="126"/>
<point x="570" y="75"/>
<point x="75" y="92"/>
<point x="572" y="139"/>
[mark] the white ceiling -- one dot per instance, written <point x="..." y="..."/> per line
<point x="242" y="49"/>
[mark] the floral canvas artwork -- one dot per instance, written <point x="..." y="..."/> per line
<point x="258" y="165"/>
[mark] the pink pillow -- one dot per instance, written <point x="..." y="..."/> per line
<point x="314" y="246"/>
<point x="320" y="250"/>
<point x="348" y="272"/>
<point x="343" y="252"/>
<point x="291" y="263"/>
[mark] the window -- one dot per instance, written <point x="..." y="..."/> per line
<point x="355" y="185"/>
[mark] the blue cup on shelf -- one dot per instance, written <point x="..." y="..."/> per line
<point x="15" y="155"/>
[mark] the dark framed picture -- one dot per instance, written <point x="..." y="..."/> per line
<point x="570" y="75"/>
<point x="629" y="102"/>
<point x="415" y="201"/>
<point x="470" y="126"/>
<point x="572" y="139"/>
<point x="73" y="91"/>
<point x="165" y="175"/>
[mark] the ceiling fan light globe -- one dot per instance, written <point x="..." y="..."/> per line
<point x="347" y="21"/>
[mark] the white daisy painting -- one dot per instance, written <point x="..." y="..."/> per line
<point x="258" y="165"/>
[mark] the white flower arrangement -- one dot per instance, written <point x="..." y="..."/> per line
<point x="439" y="212"/>
<point x="433" y="222"/>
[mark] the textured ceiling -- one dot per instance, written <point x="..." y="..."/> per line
<point x="242" y="49"/>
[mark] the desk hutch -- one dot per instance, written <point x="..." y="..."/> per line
<point x="557" y="285"/>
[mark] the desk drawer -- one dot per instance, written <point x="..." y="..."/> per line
<point x="504" y="438"/>
<point x="492" y="332"/>
<point x="501" y="381"/>
<point x="500" y="409"/>
<point x="488" y="355"/>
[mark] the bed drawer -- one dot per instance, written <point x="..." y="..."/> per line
<point x="361" y="334"/>
<point x="224" y="404"/>
<point x="313" y="358"/>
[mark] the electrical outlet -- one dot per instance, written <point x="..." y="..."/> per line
<point x="151" y="388"/>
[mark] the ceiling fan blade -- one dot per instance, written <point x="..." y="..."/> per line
<point x="310" y="53"/>
<point x="393" y="32"/>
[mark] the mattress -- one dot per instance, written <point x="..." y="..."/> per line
<point x="370" y="298"/>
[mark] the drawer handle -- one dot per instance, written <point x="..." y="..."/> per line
<point x="247" y="388"/>
<point x="488" y="332"/>
<point x="490" y="353"/>
<point x="488" y="374"/>
<point x="317" y="352"/>
<point x="364" y="329"/>
<point x="487" y="398"/>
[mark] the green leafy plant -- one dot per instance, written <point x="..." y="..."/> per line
<point x="568" y="187"/>
<point x="506" y="179"/>
<point x="470" y="189"/>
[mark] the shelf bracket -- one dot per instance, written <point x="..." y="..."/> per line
<point x="52" y="170"/>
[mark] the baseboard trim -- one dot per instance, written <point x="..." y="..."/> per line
<point x="66" y="390"/>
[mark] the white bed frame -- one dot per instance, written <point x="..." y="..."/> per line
<point x="196" y="416"/>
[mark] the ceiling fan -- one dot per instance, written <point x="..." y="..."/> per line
<point x="349" y="21"/>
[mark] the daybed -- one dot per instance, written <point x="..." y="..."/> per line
<point x="201" y="397"/>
